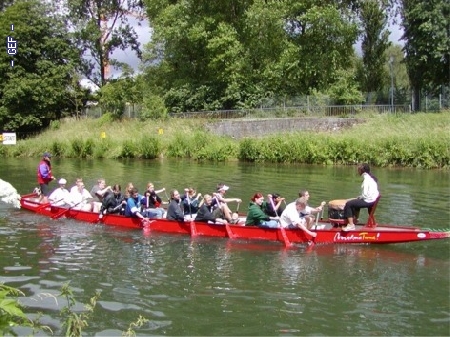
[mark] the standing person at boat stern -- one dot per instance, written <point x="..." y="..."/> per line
<point x="369" y="194"/>
<point x="45" y="176"/>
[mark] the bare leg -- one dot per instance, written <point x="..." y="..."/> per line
<point x="227" y="212"/>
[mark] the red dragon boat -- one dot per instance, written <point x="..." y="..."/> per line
<point x="328" y="230"/>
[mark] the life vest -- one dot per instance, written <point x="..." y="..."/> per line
<point x="41" y="179"/>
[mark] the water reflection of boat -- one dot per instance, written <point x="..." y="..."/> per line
<point x="326" y="231"/>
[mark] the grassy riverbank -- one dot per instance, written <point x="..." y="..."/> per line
<point x="408" y="140"/>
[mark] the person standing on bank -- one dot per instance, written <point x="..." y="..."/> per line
<point x="369" y="194"/>
<point x="45" y="176"/>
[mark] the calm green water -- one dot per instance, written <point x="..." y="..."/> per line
<point x="212" y="286"/>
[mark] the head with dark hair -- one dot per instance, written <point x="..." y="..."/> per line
<point x="365" y="168"/>
<point x="116" y="189"/>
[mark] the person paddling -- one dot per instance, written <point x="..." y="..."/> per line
<point x="290" y="218"/>
<point x="60" y="196"/>
<point x="220" y="205"/>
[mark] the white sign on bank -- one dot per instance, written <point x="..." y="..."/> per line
<point x="9" y="138"/>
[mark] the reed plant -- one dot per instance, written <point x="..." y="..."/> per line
<point x="412" y="140"/>
<point x="13" y="315"/>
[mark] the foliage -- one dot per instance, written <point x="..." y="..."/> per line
<point x="117" y="94"/>
<point x="55" y="124"/>
<point x="374" y="43"/>
<point x="153" y="107"/>
<point x="224" y="55"/>
<point x="344" y="91"/>
<point x="129" y="149"/>
<point x="149" y="147"/>
<point x="139" y="323"/>
<point x="82" y="148"/>
<point x="34" y="91"/>
<point x="57" y="148"/>
<point x="102" y="27"/>
<point x="11" y="312"/>
<point x="12" y="315"/>
<point x="406" y="140"/>
<point x="426" y="44"/>
<point x="74" y="323"/>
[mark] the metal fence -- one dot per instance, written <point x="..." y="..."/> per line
<point x="298" y="111"/>
<point x="301" y="106"/>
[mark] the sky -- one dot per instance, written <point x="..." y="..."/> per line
<point x="144" y="36"/>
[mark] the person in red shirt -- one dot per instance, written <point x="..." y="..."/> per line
<point x="44" y="176"/>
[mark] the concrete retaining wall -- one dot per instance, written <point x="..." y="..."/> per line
<point x="262" y="127"/>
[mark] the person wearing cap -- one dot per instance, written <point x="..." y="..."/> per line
<point x="220" y="204"/>
<point x="45" y="176"/>
<point x="60" y="196"/>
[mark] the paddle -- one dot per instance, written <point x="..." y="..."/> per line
<point x="317" y="216"/>
<point x="287" y="243"/>
<point x="41" y="207"/>
<point x="189" y="204"/>
<point x="60" y="214"/>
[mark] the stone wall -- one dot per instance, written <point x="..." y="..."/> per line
<point x="240" y="128"/>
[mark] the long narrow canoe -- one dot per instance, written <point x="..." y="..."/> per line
<point x="326" y="231"/>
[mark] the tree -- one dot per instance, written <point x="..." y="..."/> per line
<point x="232" y="53"/>
<point x="427" y="45"/>
<point x="34" y="90"/>
<point x="102" y="26"/>
<point x="5" y="3"/>
<point x="375" y="41"/>
<point x="117" y="94"/>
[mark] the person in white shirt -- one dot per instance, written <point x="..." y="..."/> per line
<point x="290" y="217"/>
<point x="98" y="192"/>
<point x="309" y="211"/>
<point x="74" y="187"/>
<point x="369" y="194"/>
<point x="80" y="197"/>
<point x="60" y="196"/>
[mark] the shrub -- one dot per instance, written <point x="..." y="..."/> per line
<point x="57" y="148"/>
<point x="55" y="124"/>
<point x="129" y="149"/>
<point x="150" y="147"/>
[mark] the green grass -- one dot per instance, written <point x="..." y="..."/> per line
<point x="409" y="140"/>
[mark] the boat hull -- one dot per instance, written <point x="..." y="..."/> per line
<point x="326" y="232"/>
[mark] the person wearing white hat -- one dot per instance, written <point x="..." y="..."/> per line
<point x="220" y="206"/>
<point x="60" y="196"/>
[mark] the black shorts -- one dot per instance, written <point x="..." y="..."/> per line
<point x="45" y="191"/>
